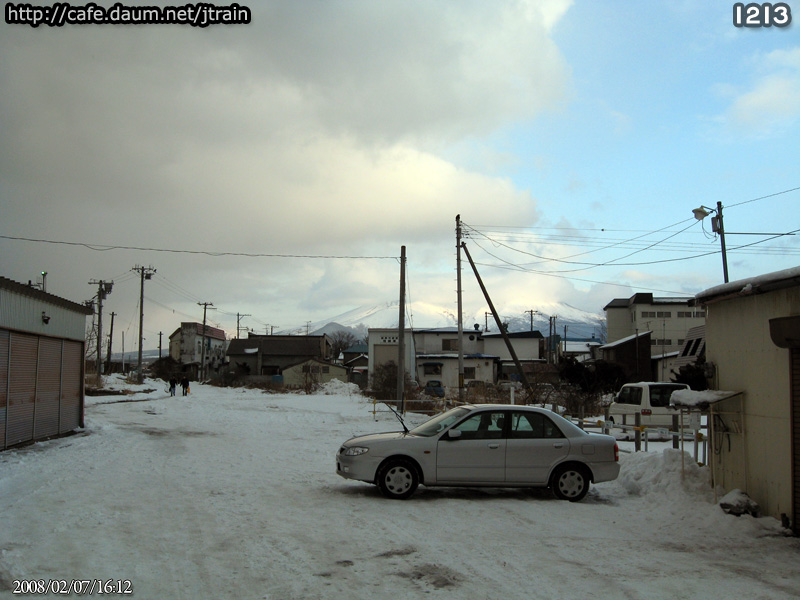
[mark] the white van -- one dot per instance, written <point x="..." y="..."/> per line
<point x="651" y="400"/>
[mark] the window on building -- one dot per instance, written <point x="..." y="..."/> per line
<point x="432" y="368"/>
<point x="450" y="344"/>
<point x="648" y="314"/>
<point x="469" y="372"/>
<point x="664" y="315"/>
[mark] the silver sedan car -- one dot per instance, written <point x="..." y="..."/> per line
<point x="486" y="445"/>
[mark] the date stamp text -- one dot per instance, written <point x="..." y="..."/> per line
<point x="762" y="14"/>
<point x="69" y="587"/>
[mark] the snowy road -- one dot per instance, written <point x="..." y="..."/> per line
<point x="232" y="494"/>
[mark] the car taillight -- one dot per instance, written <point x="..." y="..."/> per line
<point x="647" y="412"/>
<point x="616" y="453"/>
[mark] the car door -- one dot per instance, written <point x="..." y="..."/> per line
<point x="535" y="444"/>
<point x="478" y="455"/>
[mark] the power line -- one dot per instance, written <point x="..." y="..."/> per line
<point x="104" y="248"/>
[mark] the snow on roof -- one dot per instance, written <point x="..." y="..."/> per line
<point x="626" y="339"/>
<point x="752" y="285"/>
<point x="693" y="399"/>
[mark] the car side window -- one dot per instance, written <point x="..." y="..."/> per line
<point x="533" y="426"/>
<point x="482" y="426"/>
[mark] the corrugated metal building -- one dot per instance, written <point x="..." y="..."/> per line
<point x="42" y="341"/>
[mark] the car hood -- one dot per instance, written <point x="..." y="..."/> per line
<point x="374" y="437"/>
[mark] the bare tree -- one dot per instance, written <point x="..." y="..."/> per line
<point x="341" y="341"/>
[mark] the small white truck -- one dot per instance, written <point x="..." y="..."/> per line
<point x="651" y="400"/>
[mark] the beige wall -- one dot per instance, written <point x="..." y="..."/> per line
<point x="739" y="345"/>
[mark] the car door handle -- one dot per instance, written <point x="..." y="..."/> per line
<point x="558" y="445"/>
<point x="494" y="445"/>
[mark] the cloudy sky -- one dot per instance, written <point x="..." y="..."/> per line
<point x="573" y="138"/>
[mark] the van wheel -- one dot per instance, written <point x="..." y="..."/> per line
<point x="570" y="482"/>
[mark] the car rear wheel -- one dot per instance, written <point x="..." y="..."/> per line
<point x="398" y="479"/>
<point x="571" y="482"/>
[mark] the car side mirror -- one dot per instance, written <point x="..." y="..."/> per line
<point x="454" y="434"/>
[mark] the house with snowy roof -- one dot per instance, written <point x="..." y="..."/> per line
<point x="752" y="340"/>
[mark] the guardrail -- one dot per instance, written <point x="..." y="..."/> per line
<point x="643" y="433"/>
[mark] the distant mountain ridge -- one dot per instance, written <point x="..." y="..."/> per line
<point x="420" y="315"/>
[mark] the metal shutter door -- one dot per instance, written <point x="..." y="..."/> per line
<point x="48" y="389"/>
<point x="3" y="385"/>
<point x="795" y="391"/>
<point x="21" y="388"/>
<point x="72" y="387"/>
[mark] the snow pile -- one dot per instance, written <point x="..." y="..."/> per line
<point x="338" y="388"/>
<point x="665" y="475"/>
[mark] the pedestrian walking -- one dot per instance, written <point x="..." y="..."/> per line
<point x="185" y="386"/>
<point x="173" y="383"/>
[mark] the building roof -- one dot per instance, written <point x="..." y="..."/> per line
<point x="356" y="349"/>
<point x="625" y="340"/>
<point x="644" y="298"/>
<point x="26" y="290"/>
<point x="277" y="345"/>
<point x="751" y="286"/>
<point x="515" y="335"/>
<point x="212" y="332"/>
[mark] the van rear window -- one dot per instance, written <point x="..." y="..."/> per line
<point x="660" y="394"/>
<point x="630" y="395"/>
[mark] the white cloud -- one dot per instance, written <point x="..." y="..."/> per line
<point x="772" y="103"/>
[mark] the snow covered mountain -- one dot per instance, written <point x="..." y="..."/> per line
<point x="421" y="315"/>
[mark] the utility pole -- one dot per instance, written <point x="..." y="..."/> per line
<point x="401" y="338"/>
<point x="502" y="329"/>
<point x="531" y="313"/>
<point x="238" y="328"/>
<point x="103" y="289"/>
<point x="718" y="227"/>
<point x="159" y="344"/>
<point x="460" y="316"/>
<point x="205" y="306"/>
<point x="308" y="324"/>
<point x="110" y="337"/>
<point x="145" y="273"/>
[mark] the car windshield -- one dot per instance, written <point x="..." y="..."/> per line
<point x="439" y="423"/>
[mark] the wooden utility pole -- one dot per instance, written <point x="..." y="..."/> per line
<point x="238" y="328"/>
<point x="502" y="329"/>
<point x="159" y="344"/>
<point x="531" y="313"/>
<point x="145" y="273"/>
<point x="461" y="393"/>
<point x="110" y="337"/>
<point x="401" y="338"/>
<point x="205" y="306"/>
<point x="103" y="289"/>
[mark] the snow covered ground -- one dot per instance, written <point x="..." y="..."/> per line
<point x="231" y="493"/>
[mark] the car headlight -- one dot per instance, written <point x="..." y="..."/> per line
<point x="356" y="451"/>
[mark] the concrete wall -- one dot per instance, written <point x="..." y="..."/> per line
<point x="739" y="344"/>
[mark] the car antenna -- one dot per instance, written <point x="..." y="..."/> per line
<point x="397" y="414"/>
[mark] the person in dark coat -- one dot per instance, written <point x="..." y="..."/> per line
<point x="173" y="383"/>
<point x="185" y="386"/>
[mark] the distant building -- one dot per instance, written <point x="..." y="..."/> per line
<point x="669" y="320"/>
<point x="632" y="353"/>
<point x="42" y="342"/>
<point x="267" y="357"/>
<point x="186" y="346"/>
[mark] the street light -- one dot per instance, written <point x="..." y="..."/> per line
<point x="717" y="227"/>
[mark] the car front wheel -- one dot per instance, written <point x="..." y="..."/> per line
<point x="398" y="479"/>
<point x="571" y="483"/>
